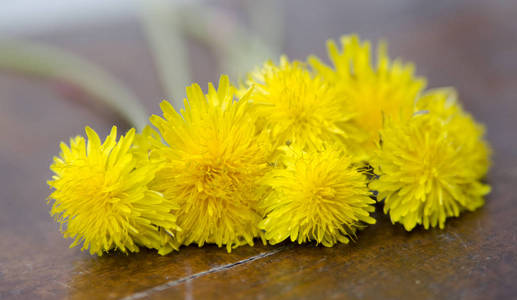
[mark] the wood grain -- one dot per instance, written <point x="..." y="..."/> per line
<point x="471" y="45"/>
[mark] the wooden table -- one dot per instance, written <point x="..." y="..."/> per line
<point x="468" y="44"/>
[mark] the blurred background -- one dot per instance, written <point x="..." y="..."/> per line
<point x="68" y="64"/>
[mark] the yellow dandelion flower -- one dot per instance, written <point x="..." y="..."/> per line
<point x="144" y="150"/>
<point x="369" y="92"/>
<point x="211" y="166"/>
<point x="144" y="145"/>
<point x="102" y="200"/>
<point x="427" y="165"/>
<point x="444" y="104"/>
<point x="318" y="196"/>
<point x="295" y="106"/>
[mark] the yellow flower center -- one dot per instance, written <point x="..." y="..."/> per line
<point x="323" y="194"/>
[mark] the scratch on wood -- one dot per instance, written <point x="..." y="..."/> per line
<point x="187" y="279"/>
<point x="461" y="240"/>
<point x="188" y="285"/>
<point x="64" y="284"/>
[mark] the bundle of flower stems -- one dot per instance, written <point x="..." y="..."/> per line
<point x="297" y="151"/>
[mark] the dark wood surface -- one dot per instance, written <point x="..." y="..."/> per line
<point x="471" y="45"/>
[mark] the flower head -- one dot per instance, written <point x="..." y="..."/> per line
<point x="318" y="196"/>
<point x="102" y="200"/>
<point x="212" y="165"/>
<point x="293" y="105"/>
<point x="144" y="145"/>
<point x="430" y="167"/>
<point x="369" y="92"/>
<point x="444" y="104"/>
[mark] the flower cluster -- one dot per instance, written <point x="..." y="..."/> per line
<point x="282" y="156"/>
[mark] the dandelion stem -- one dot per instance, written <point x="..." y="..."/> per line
<point x="237" y="49"/>
<point x="163" y="30"/>
<point x="52" y="62"/>
<point x="266" y="21"/>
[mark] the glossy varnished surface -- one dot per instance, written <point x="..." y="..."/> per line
<point x="469" y="45"/>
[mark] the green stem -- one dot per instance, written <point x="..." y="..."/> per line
<point x="160" y="19"/>
<point x="237" y="49"/>
<point x="266" y="20"/>
<point x="47" y="61"/>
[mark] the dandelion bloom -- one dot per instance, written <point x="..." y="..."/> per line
<point x="318" y="196"/>
<point x="369" y="93"/>
<point x="212" y="164"/>
<point x="102" y="200"/>
<point x="444" y="104"/>
<point x="144" y="145"/>
<point x="295" y="106"/>
<point x="430" y="167"/>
